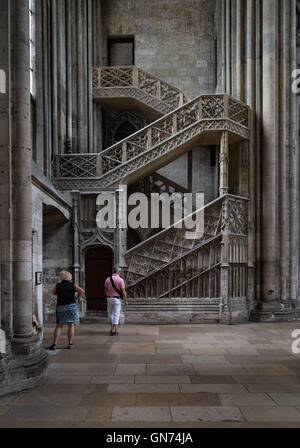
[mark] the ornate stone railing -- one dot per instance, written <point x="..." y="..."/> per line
<point x="166" y="267"/>
<point x="75" y="165"/>
<point x="128" y="81"/>
<point x="171" y="278"/>
<point x="164" y="139"/>
<point x="156" y="183"/>
<point x="207" y="113"/>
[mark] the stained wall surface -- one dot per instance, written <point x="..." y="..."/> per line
<point x="173" y="40"/>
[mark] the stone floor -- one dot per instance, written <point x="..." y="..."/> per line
<point x="166" y="376"/>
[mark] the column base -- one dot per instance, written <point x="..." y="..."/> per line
<point x="275" y="312"/>
<point x="24" y="366"/>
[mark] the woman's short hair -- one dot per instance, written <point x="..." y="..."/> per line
<point x="65" y="275"/>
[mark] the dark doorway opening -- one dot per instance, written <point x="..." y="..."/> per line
<point x="121" y="51"/>
<point x="98" y="266"/>
<point x="124" y="130"/>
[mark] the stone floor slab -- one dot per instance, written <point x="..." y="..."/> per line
<point x="141" y="414"/>
<point x="130" y="369"/>
<point x="273" y="388"/>
<point x="207" y="351"/>
<point x="271" y="414"/>
<point x="69" y="379"/>
<point x="205" y="413"/>
<point x="204" y="359"/>
<point x="215" y="369"/>
<point x="266" y="379"/>
<point x="200" y="399"/>
<point x="170" y="369"/>
<point x="113" y="379"/>
<point x="212" y="379"/>
<point x="101" y="399"/>
<point x="214" y="388"/>
<point x="286" y="399"/>
<point x="143" y="388"/>
<point x="90" y="369"/>
<point x="134" y="348"/>
<point x="268" y="369"/>
<point x="98" y="414"/>
<point x="162" y="379"/>
<point x="48" y="413"/>
<point x="173" y="351"/>
<point x="3" y="410"/>
<point x="246" y="399"/>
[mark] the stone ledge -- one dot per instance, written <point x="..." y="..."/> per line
<point x="186" y="311"/>
<point x="284" y="315"/>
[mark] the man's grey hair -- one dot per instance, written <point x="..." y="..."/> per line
<point x="116" y="269"/>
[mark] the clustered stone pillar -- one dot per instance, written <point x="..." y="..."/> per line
<point x="21" y="172"/>
<point x="224" y="159"/>
<point x="244" y="168"/>
<point x="76" y="229"/>
<point x="5" y="168"/>
<point x="258" y="54"/>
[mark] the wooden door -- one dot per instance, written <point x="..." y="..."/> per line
<point x="98" y="266"/>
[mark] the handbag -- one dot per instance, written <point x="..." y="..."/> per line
<point x="115" y="288"/>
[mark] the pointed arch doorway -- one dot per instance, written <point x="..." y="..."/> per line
<point x="98" y="266"/>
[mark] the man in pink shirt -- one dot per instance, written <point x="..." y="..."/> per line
<point x="114" y="290"/>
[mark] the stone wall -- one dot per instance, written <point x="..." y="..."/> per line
<point x="174" y="40"/>
<point x="57" y="255"/>
<point x="63" y="102"/>
<point x="52" y="249"/>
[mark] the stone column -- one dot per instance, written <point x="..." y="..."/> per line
<point x="90" y="68"/>
<point x="240" y="49"/>
<point x="228" y="85"/>
<point x="69" y="67"/>
<point x="5" y="169"/>
<point x="224" y="268"/>
<point x="54" y="77"/>
<point x="250" y="98"/>
<point x="294" y="166"/>
<point x="270" y="150"/>
<point x="80" y="79"/>
<point x="76" y="229"/>
<point x="121" y="225"/>
<point x="223" y="160"/>
<point x="244" y="169"/>
<point x="21" y="174"/>
<point x="279" y="234"/>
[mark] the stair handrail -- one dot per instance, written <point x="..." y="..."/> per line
<point x="182" y="111"/>
<point x="134" y="80"/>
<point x="174" y="260"/>
<point x="206" y="206"/>
<point x="223" y="113"/>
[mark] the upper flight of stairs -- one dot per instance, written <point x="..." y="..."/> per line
<point x="199" y="121"/>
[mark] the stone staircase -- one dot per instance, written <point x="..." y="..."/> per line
<point x="169" y="266"/>
<point x="199" y="121"/>
<point x="132" y="82"/>
<point x="193" y="280"/>
<point x="206" y="284"/>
